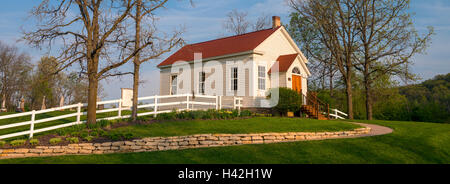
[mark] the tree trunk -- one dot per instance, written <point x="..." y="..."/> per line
<point x="331" y="80"/>
<point x="93" y="90"/>
<point x="349" y="99"/>
<point x="137" y="61"/>
<point x="135" y="91"/>
<point x="367" y="87"/>
<point x="368" y="94"/>
<point x="348" y="88"/>
<point x="92" y="100"/>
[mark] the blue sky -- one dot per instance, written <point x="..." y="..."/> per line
<point x="204" y="22"/>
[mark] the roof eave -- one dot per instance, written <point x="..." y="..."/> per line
<point x="220" y="57"/>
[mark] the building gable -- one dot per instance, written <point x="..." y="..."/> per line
<point x="220" y="47"/>
<point x="281" y="44"/>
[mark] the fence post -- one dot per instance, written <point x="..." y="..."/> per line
<point x="79" y="113"/>
<point x="328" y="111"/>
<point x="156" y="106"/>
<point x="335" y="113"/>
<point x="220" y="102"/>
<point x="217" y="102"/>
<point x="234" y="102"/>
<point x="187" y="102"/>
<point x="33" y="117"/>
<point x="239" y="106"/>
<point x="120" y="109"/>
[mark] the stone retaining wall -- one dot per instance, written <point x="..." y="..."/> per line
<point x="175" y="143"/>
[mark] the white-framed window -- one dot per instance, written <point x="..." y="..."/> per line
<point x="234" y="78"/>
<point x="261" y="77"/>
<point x="201" y="83"/>
<point x="173" y="84"/>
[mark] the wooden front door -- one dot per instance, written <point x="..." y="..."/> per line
<point x="297" y="83"/>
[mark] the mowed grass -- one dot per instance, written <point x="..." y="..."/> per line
<point x="252" y="125"/>
<point x="411" y="142"/>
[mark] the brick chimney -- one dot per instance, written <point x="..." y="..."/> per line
<point x="276" y="22"/>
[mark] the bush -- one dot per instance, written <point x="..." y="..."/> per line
<point x="70" y="130"/>
<point x="94" y="134"/>
<point x="18" y="142"/>
<point x="75" y="134"/>
<point x="55" y="140"/>
<point x="167" y="116"/>
<point x="102" y="133"/>
<point x="84" y="134"/>
<point x="119" y="136"/>
<point x="88" y="138"/>
<point x="289" y="101"/>
<point x="205" y="115"/>
<point x="143" y="118"/>
<point x="34" y="142"/>
<point x="72" y="140"/>
<point x="2" y="143"/>
<point x="103" y="123"/>
<point x="246" y="113"/>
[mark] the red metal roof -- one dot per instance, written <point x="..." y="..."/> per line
<point x="220" y="47"/>
<point x="284" y="62"/>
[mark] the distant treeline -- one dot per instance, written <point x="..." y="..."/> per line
<point x="428" y="101"/>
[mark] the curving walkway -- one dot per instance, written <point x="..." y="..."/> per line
<point x="191" y="141"/>
<point x="375" y="129"/>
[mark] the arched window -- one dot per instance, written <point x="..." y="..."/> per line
<point x="296" y="71"/>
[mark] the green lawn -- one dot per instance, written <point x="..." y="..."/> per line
<point x="252" y="125"/>
<point x="411" y="142"/>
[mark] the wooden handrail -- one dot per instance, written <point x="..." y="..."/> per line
<point x="316" y="103"/>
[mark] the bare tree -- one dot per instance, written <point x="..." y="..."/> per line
<point x="262" y="22"/>
<point x="337" y="31"/>
<point x="320" y="59"/>
<point x="15" y="70"/>
<point x="87" y="32"/>
<point x="237" y="23"/>
<point x="160" y="44"/>
<point x="388" y="41"/>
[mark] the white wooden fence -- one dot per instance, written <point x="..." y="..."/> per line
<point x="157" y="106"/>
<point x="337" y="114"/>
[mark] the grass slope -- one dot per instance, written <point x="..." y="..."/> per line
<point x="252" y="125"/>
<point x="411" y="142"/>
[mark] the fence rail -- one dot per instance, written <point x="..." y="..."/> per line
<point x="189" y="101"/>
<point x="337" y="114"/>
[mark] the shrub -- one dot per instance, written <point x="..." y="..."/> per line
<point x="18" y="142"/>
<point x="118" y="136"/>
<point x="70" y="130"/>
<point x="88" y="138"/>
<point x="75" y="134"/>
<point x="102" y="133"/>
<point x="72" y="140"/>
<point x="246" y="113"/>
<point x="167" y="116"/>
<point x="289" y="100"/>
<point x="103" y="123"/>
<point x="84" y="134"/>
<point x="208" y="114"/>
<point x="34" y="142"/>
<point x="55" y="140"/>
<point x="2" y="143"/>
<point x="94" y="133"/>
<point x="128" y="136"/>
<point x="143" y="118"/>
